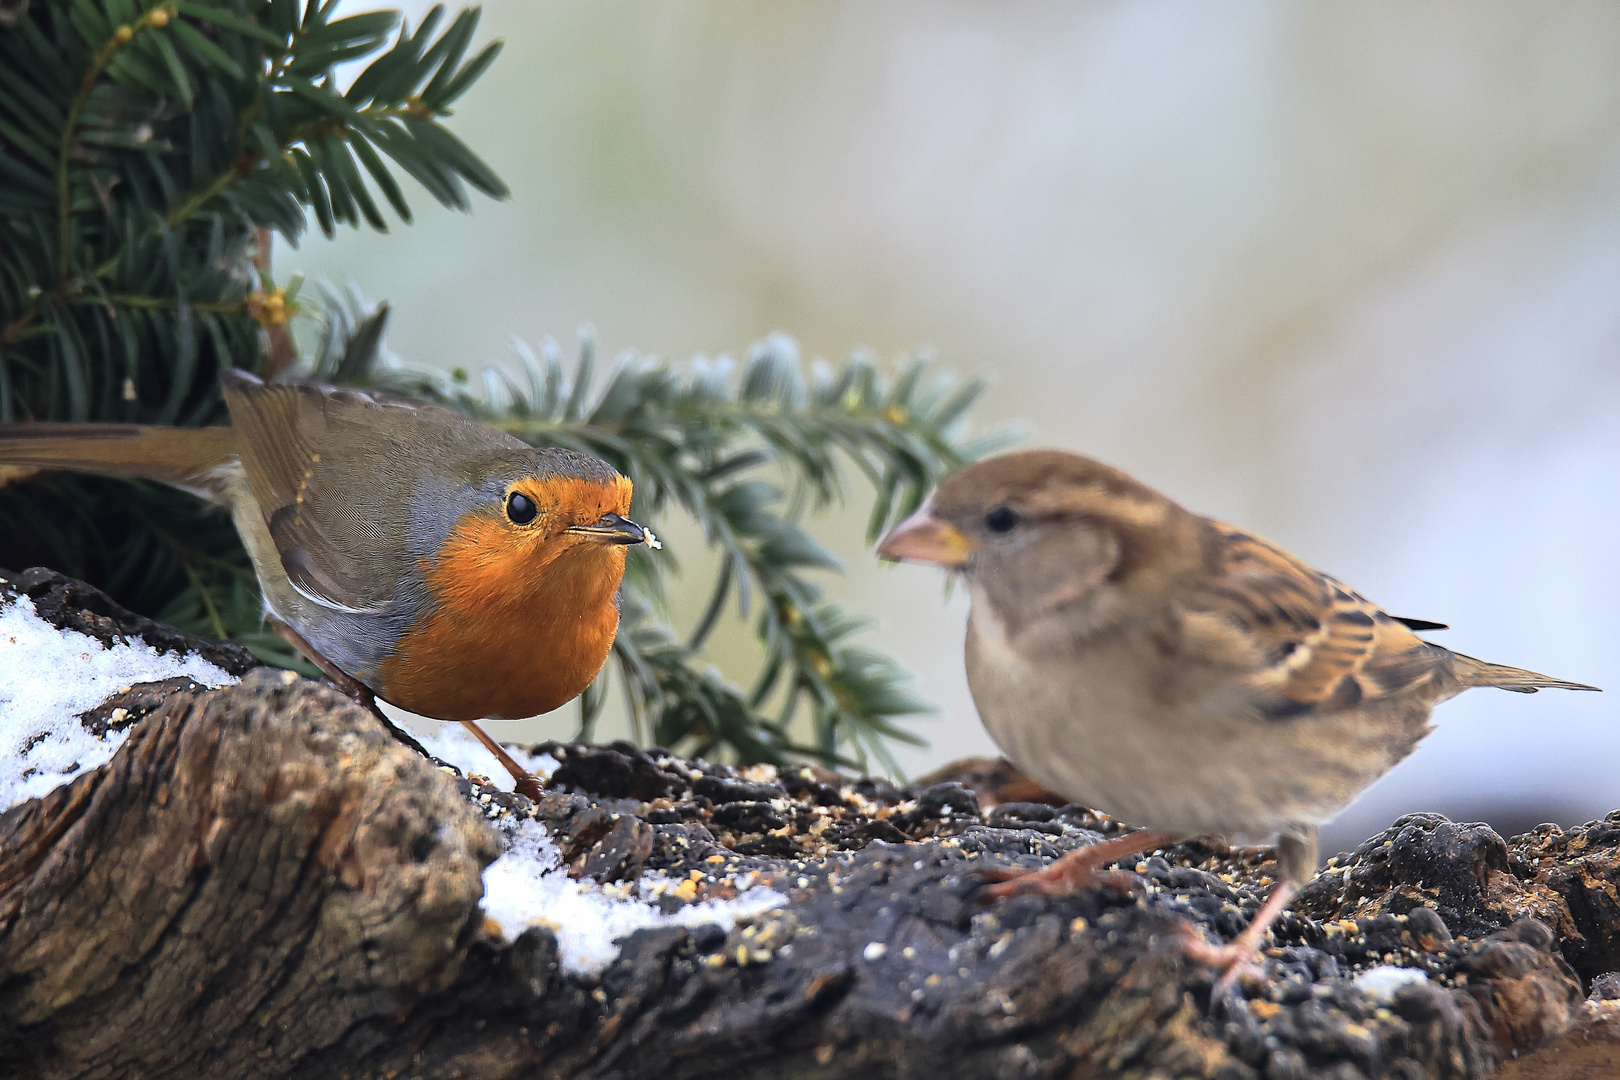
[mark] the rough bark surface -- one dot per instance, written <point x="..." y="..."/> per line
<point x="264" y="883"/>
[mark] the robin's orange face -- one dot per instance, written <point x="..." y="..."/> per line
<point x="544" y="518"/>
<point x="525" y="602"/>
<point x="505" y="556"/>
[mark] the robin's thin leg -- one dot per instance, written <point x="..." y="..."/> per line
<point x="1076" y="870"/>
<point x="1296" y="861"/>
<point x="345" y="684"/>
<point x="524" y="782"/>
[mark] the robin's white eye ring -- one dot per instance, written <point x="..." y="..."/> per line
<point x="520" y="508"/>
<point x="1002" y="519"/>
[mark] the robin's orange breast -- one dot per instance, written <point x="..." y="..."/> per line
<point x="515" y="631"/>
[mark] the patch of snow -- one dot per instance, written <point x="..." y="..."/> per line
<point x="1381" y="983"/>
<point x="527" y="886"/>
<point x="49" y="677"/>
<point x="455" y="744"/>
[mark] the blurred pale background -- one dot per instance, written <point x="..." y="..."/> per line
<point x="1347" y="276"/>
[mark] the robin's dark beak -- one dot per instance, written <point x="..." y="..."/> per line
<point x="612" y="529"/>
<point x="922" y="537"/>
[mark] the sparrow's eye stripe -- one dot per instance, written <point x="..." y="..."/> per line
<point x="1119" y="509"/>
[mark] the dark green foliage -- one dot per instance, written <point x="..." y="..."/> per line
<point x="147" y="151"/>
<point x="144" y="147"/>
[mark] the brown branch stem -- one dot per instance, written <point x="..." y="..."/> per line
<point x="158" y="17"/>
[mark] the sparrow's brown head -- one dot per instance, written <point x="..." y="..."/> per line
<point x="1042" y="530"/>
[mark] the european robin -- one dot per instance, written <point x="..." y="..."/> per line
<point x="1173" y="671"/>
<point x="410" y="552"/>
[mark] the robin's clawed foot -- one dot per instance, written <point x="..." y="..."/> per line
<point x="524" y="782"/>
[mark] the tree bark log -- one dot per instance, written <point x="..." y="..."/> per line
<point x="264" y="883"/>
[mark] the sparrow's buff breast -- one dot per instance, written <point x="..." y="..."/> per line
<point x="1092" y="723"/>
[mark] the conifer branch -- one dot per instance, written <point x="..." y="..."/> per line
<point x="147" y="153"/>
<point x="143" y="169"/>
<point x="104" y="56"/>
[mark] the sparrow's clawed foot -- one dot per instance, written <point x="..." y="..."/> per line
<point x="1079" y="869"/>
<point x="1061" y="878"/>
<point x="1233" y="961"/>
<point x="1237" y="957"/>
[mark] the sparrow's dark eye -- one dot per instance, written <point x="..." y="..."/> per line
<point x="1002" y="519"/>
<point x="520" y="508"/>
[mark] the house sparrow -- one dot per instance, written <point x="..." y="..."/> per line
<point x="1173" y="671"/>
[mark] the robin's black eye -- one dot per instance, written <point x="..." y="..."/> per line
<point x="520" y="508"/>
<point x="1002" y="519"/>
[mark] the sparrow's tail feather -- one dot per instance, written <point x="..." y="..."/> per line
<point x="195" y="459"/>
<point x="1478" y="673"/>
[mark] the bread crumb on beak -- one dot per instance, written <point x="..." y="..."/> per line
<point x="651" y="540"/>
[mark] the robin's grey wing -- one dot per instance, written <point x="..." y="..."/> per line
<point x="336" y="471"/>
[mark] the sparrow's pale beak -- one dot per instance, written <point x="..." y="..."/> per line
<point x="922" y="537"/>
<point x="612" y="529"/>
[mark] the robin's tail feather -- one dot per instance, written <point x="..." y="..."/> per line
<point x="197" y="460"/>
<point x="1478" y="673"/>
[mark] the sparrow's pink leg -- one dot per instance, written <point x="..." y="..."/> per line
<point x="1077" y="870"/>
<point x="1238" y="954"/>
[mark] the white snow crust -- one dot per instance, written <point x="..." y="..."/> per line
<point x="1381" y="983"/>
<point x="48" y="677"/>
<point x="527" y="886"/>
